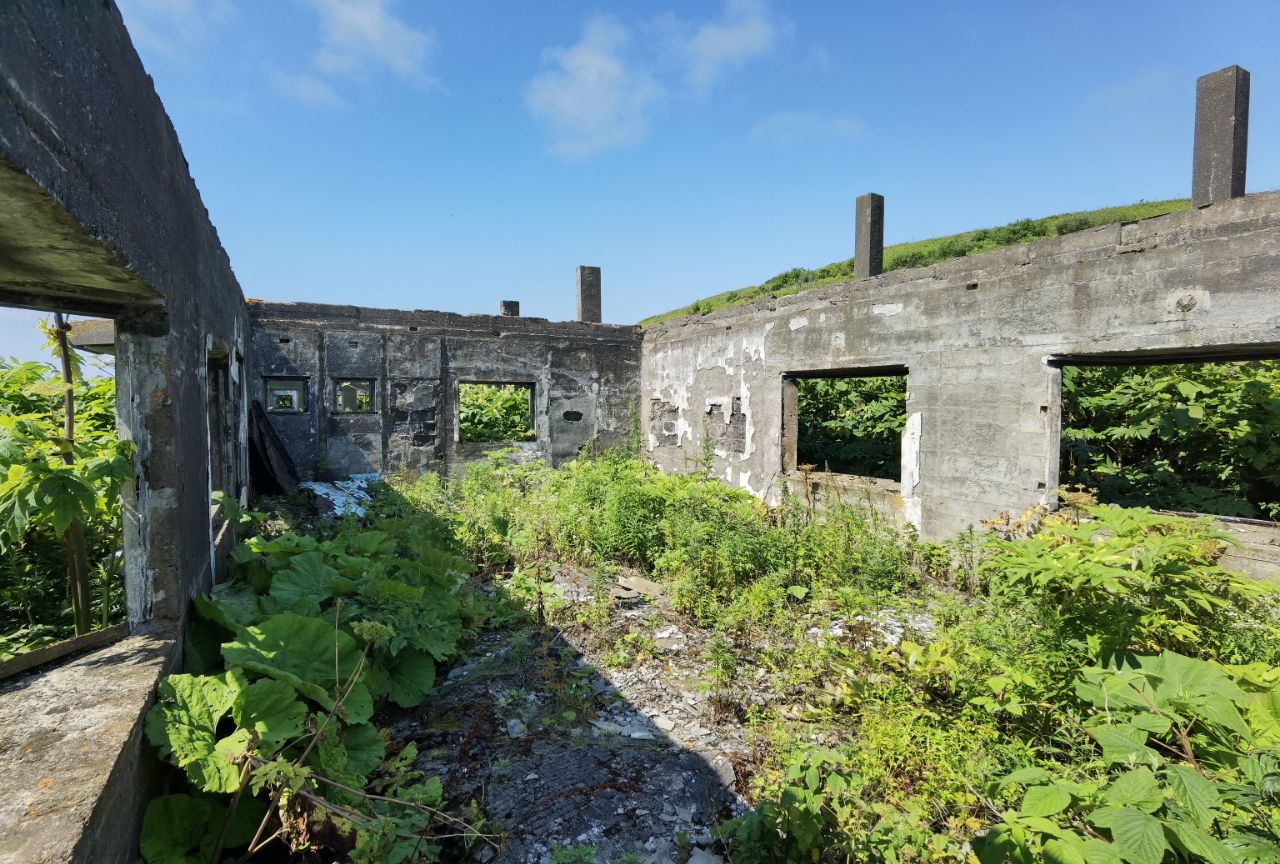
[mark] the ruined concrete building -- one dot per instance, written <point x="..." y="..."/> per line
<point x="99" y="216"/>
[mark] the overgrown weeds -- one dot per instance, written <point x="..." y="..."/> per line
<point x="937" y="702"/>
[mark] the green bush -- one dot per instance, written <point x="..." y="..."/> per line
<point x="1125" y="581"/>
<point x="852" y="425"/>
<point x="494" y="413"/>
<point x="1203" y="437"/>
<point x="285" y="664"/>
<point x="40" y="495"/>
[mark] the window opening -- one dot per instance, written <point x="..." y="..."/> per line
<point x="495" y="412"/>
<point x="286" y="395"/>
<point x="61" y="564"/>
<point x="846" y="422"/>
<point x="353" y="396"/>
<point x="1199" y="437"/>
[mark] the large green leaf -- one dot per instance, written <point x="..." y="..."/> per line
<point x="411" y="674"/>
<point x="1121" y="743"/>
<point x="272" y="711"/>
<point x="1136" y="788"/>
<point x="1197" y="794"/>
<point x="365" y="748"/>
<point x="1199" y="845"/>
<point x="1045" y="800"/>
<point x="183" y="727"/>
<point x="306" y="653"/>
<point x="180" y="829"/>
<point x="1138" y="837"/>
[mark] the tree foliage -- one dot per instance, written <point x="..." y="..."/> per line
<point x="494" y="413"/>
<point x="41" y="495"/>
<point x="1201" y="437"/>
<point x="852" y="425"/>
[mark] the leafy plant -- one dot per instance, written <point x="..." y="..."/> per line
<point x="1125" y="580"/>
<point x="1195" y="436"/>
<point x="1192" y="772"/>
<point x="59" y="501"/>
<point x="494" y="412"/>
<point x="852" y="425"/>
<point x="288" y="660"/>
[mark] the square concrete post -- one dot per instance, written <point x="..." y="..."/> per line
<point x="1222" y="136"/>
<point x="509" y="308"/>
<point x="868" y="245"/>
<point x="589" y="294"/>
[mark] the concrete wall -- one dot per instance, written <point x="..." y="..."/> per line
<point x="982" y="339"/>
<point x="585" y="380"/>
<point x="99" y="216"/>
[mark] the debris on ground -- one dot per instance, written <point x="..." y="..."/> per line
<point x="559" y="751"/>
<point x="341" y="497"/>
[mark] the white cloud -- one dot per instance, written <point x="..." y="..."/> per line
<point x="172" y="27"/>
<point x="591" y="99"/>
<point x="747" y="31"/>
<point x="359" y="33"/>
<point x="306" y="89"/>
<point x="791" y="127"/>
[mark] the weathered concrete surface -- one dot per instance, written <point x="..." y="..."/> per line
<point x="589" y="295"/>
<point x="72" y="757"/>
<point x="1222" y="136"/>
<point x="868" y="236"/>
<point x="982" y="339"/>
<point x="585" y="382"/>
<point x="99" y="216"/>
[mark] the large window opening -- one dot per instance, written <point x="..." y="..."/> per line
<point x="846" y="422"/>
<point x="62" y="467"/>
<point x="1201" y="437"/>
<point x="495" y="412"/>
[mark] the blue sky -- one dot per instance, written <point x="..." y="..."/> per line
<point x="446" y="156"/>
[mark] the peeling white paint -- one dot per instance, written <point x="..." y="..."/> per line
<point x="886" y="308"/>
<point x="837" y="341"/>
<point x="799" y="321"/>
<point x="912" y="506"/>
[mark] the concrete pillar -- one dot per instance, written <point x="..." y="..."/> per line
<point x="589" y="294"/>
<point x="1222" y="136"/>
<point x="509" y="308"/>
<point x="868" y="245"/>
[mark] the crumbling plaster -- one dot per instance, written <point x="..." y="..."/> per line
<point x="584" y="378"/>
<point x="983" y="339"/>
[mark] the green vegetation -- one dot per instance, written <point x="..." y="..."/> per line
<point x="1199" y="437"/>
<point x="852" y="425"/>
<point x="271" y="723"/>
<point x="1203" y="437"/>
<point x="494" y="413"/>
<point x="1099" y="691"/>
<point x="925" y="252"/>
<point x="50" y="490"/>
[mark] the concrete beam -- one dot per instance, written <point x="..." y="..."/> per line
<point x="1222" y="136"/>
<point x="589" y="295"/>
<point x="868" y="247"/>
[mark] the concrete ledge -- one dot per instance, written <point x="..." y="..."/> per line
<point x="823" y="488"/>
<point x="72" y="756"/>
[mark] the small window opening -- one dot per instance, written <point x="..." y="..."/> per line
<point x="285" y="340"/>
<point x="1189" y="437"/>
<point x="495" y="413"/>
<point x="286" y="395"/>
<point x="353" y="396"/>
<point x="846" y="423"/>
